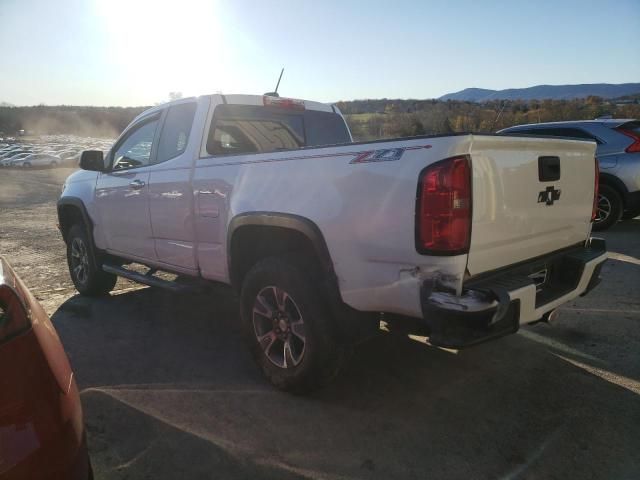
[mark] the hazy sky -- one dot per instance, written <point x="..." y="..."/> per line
<point x="134" y="52"/>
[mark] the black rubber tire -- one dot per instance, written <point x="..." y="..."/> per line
<point x="617" y="206"/>
<point x="97" y="282"/>
<point x="323" y="353"/>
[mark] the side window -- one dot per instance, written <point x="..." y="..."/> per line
<point x="579" y="133"/>
<point x="135" y="149"/>
<point x="250" y="129"/>
<point x="521" y="132"/>
<point x="324" y="128"/>
<point x="557" y="132"/>
<point x="175" y="132"/>
<point x="564" y="132"/>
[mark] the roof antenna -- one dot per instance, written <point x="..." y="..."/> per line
<point x="275" y="92"/>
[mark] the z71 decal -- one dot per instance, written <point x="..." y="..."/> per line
<point x="384" y="155"/>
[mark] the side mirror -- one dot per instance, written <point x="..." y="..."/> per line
<point x="92" y="160"/>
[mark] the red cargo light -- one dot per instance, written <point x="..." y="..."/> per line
<point x="594" y="211"/>
<point x="13" y="317"/>
<point x="443" y="211"/>
<point x="289" y="103"/>
<point x="635" y="146"/>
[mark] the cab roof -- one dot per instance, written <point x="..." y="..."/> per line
<point x="241" y="99"/>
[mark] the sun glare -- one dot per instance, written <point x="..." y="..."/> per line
<point x="160" y="47"/>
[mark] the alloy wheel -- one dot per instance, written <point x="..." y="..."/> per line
<point x="279" y="327"/>
<point x="79" y="260"/>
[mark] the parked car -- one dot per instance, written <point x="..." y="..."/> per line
<point x="618" y="154"/>
<point x="70" y="158"/>
<point x="9" y="152"/>
<point x="37" y="160"/>
<point x="472" y="235"/>
<point x="41" y="426"/>
<point x="15" y="160"/>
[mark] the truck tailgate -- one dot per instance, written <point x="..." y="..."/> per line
<point x="521" y="210"/>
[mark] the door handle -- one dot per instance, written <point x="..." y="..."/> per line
<point x="136" y="184"/>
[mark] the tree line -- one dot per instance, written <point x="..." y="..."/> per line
<point x="374" y="119"/>
<point x="367" y="119"/>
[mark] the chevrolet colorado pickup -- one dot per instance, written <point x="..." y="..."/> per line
<point x="468" y="236"/>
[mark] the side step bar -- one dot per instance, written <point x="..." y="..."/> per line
<point x="149" y="279"/>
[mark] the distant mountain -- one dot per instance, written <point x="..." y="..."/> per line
<point x="541" y="92"/>
<point x="5" y="104"/>
<point x="470" y="95"/>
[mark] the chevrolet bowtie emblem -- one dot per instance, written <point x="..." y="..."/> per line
<point x="549" y="195"/>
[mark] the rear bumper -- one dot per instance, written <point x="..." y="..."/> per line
<point x="497" y="304"/>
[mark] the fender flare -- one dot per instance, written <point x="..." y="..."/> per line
<point x="287" y="221"/>
<point x="86" y="219"/>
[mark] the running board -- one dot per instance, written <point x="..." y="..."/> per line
<point x="148" y="279"/>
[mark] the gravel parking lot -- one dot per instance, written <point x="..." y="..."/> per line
<point x="169" y="391"/>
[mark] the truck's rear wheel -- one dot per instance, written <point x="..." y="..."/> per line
<point x="610" y="207"/>
<point x="87" y="276"/>
<point x="290" y="332"/>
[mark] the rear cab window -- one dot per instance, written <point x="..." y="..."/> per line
<point x="244" y="129"/>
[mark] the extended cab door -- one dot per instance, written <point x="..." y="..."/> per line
<point x="122" y="193"/>
<point x="170" y="192"/>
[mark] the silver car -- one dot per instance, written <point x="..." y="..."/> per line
<point x="618" y="155"/>
<point x="8" y="160"/>
<point x="37" y="160"/>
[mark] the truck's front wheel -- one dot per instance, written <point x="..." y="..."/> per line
<point x="86" y="274"/>
<point x="289" y="328"/>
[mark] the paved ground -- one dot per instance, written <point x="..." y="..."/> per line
<point x="170" y="392"/>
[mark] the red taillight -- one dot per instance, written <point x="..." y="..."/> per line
<point x="635" y="146"/>
<point x="443" y="221"/>
<point x="13" y="317"/>
<point x="594" y="211"/>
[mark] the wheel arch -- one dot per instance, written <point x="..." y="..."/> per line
<point x="615" y="183"/>
<point x="70" y="211"/>
<point x="280" y="224"/>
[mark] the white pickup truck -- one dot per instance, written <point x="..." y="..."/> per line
<point x="474" y="235"/>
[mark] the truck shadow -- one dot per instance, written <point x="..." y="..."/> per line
<point x="170" y="391"/>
